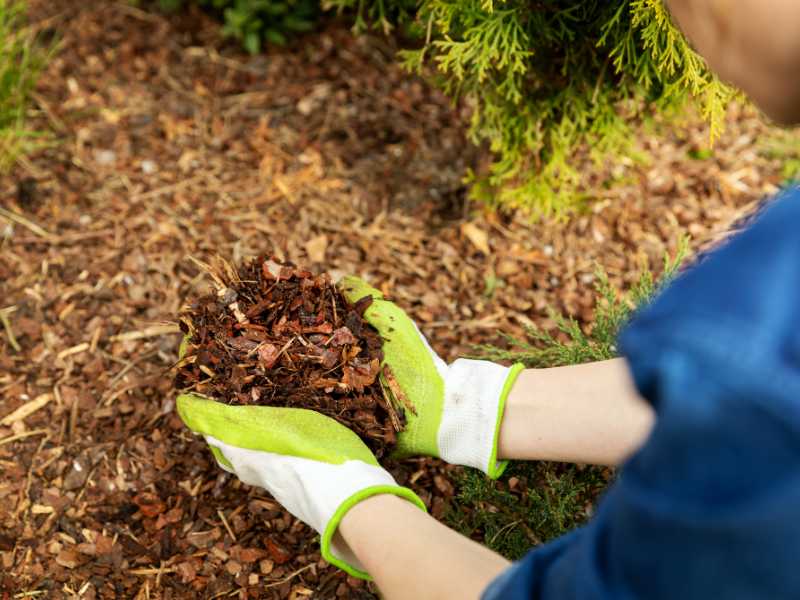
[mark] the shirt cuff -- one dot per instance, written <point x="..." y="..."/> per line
<point x="497" y="589"/>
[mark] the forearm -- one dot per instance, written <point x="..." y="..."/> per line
<point x="587" y="413"/>
<point x="411" y="555"/>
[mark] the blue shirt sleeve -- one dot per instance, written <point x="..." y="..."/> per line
<point x="710" y="506"/>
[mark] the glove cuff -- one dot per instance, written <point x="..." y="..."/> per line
<point x="474" y="403"/>
<point x="343" y="557"/>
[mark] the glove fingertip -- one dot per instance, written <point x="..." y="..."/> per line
<point x="354" y="288"/>
<point x="190" y="409"/>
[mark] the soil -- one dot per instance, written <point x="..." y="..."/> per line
<point x="274" y="334"/>
<point x="170" y="142"/>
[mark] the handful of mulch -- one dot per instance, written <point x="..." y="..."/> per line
<point x="274" y="334"/>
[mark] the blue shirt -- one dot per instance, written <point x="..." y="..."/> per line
<point x="709" y="508"/>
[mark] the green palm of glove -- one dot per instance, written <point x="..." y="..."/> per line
<point x="458" y="408"/>
<point x="286" y="431"/>
<point x="416" y="368"/>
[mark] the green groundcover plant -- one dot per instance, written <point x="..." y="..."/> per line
<point x="254" y="22"/>
<point x="784" y="146"/>
<point x="21" y="61"/>
<point x="537" y="501"/>
<point x="551" y="82"/>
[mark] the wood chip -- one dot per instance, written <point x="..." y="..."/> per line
<point x="148" y="332"/>
<point x="316" y="247"/>
<point x="27" y="409"/>
<point x="477" y="236"/>
<point x="22" y="436"/>
<point x="68" y="558"/>
<point x="83" y="347"/>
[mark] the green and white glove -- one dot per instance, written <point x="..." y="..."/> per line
<point x="459" y="407"/>
<point x="315" y="467"/>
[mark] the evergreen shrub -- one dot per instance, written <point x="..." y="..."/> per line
<point x="551" y="80"/>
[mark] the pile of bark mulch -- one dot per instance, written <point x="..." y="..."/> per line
<point x="274" y="334"/>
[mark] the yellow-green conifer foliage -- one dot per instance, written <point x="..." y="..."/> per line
<point x="550" y="78"/>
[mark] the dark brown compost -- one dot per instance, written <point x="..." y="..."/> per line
<point x="275" y="334"/>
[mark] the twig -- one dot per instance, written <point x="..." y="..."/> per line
<point x="83" y="347"/>
<point x="95" y="339"/>
<point x="138" y="13"/>
<point x="283" y="350"/>
<point x="21" y="436"/>
<point x="173" y="187"/>
<point x="57" y="123"/>
<point x="7" y="326"/>
<point x="151" y="571"/>
<point x="127" y="365"/>
<point x="73" y="417"/>
<point x="40" y="231"/>
<point x="289" y="577"/>
<point x="147" y="332"/>
<point x="502" y="530"/>
<point x="121" y="391"/>
<point x="209" y="271"/>
<point x="27" y="409"/>
<point x="212" y="55"/>
<point x="225" y="523"/>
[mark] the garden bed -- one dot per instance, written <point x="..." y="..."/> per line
<point x="171" y="143"/>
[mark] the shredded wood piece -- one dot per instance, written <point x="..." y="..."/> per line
<point x="148" y="332"/>
<point x="16" y="218"/>
<point x="397" y="392"/>
<point x="27" y="409"/>
<point x="22" y="436"/>
<point x="83" y="347"/>
<point x="7" y="326"/>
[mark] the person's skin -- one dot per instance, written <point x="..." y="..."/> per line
<point x="583" y="413"/>
<point x="412" y="555"/>
<point x="754" y="44"/>
<point x="587" y="413"/>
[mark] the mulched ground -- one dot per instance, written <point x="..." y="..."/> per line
<point x="173" y="143"/>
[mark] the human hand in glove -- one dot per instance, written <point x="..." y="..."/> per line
<point x="458" y="407"/>
<point x="315" y="467"/>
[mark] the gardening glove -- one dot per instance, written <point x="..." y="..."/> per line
<point x="458" y="408"/>
<point x="315" y="467"/>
